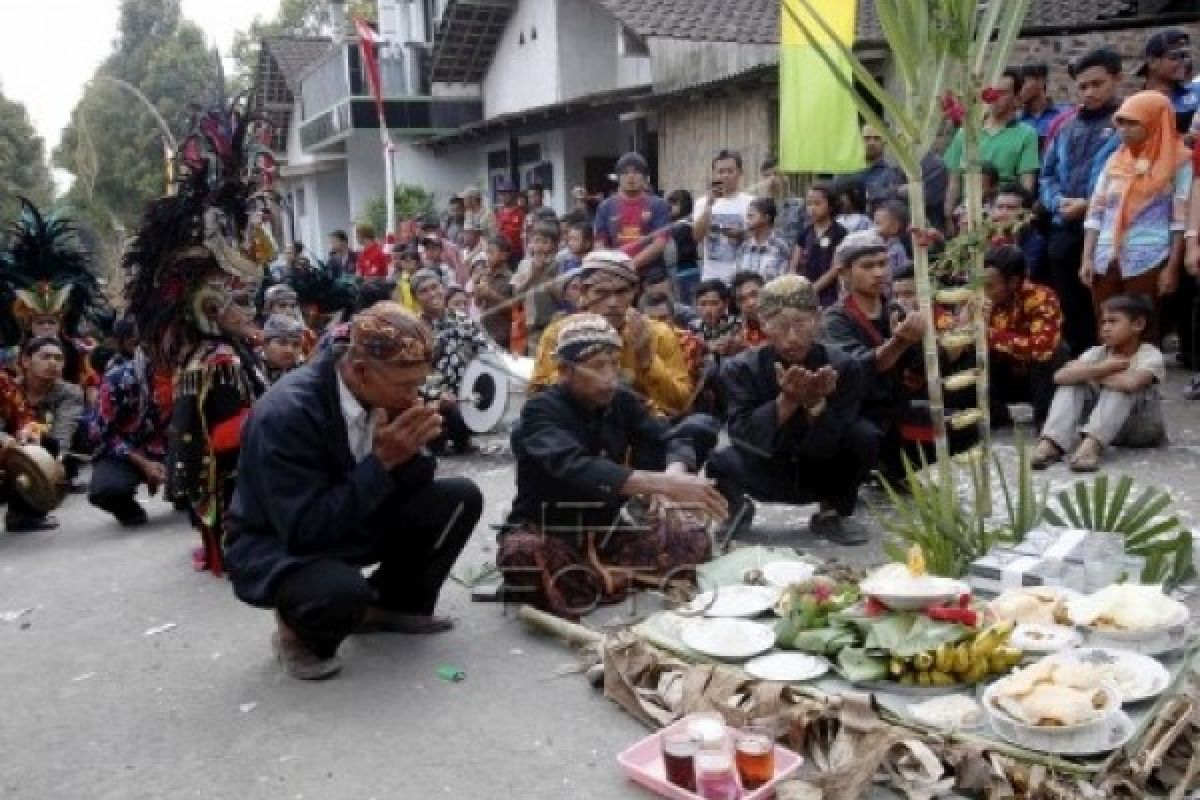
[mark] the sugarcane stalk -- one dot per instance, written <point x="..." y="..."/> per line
<point x="557" y="626"/>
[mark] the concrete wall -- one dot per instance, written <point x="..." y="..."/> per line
<point x="587" y="47"/>
<point x="443" y="174"/>
<point x="602" y="139"/>
<point x="525" y="75"/>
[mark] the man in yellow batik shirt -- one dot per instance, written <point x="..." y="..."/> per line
<point x="652" y="362"/>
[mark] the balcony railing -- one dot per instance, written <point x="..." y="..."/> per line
<point x="340" y="75"/>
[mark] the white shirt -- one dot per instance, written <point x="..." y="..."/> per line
<point x="721" y="252"/>
<point x="360" y="428"/>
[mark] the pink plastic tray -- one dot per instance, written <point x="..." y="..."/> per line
<point x="643" y="764"/>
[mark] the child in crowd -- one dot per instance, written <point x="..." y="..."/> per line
<point x="719" y="329"/>
<point x="577" y="243"/>
<point x="537" y="283"/>
<point x="1110" y="394"/>
<point x="891" y="223"/>
<point x="456" y="300"/>
<point x="813" y="256"/>
<point x="492" y="290"/>
<point x="852" y="206"/>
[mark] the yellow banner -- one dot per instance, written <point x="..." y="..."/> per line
<point x="838" y="14"/>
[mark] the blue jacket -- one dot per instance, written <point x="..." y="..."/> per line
<point x="1076" y="156"/>
<point x="300" y="495"/>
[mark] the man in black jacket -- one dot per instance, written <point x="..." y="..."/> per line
<point x="334" y="476"/>
<point x="794" y="420"/>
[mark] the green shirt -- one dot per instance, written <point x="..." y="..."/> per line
<point x="1012" y="150"/>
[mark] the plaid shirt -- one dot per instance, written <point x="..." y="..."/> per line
<point x="769" y="259"/>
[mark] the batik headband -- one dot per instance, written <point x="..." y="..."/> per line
<point x="583" y="336"/>
<point x="390" y="334"/>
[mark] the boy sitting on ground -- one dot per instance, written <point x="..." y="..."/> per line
<point x="1109" y="395"/>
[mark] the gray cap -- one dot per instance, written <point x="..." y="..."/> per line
<point x="280" y="325"/>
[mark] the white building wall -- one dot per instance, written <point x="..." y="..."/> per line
<point x="525" y="75"/>
<point x="444" y="173"/>
<point x="329" y="204"/>
<point x="587" y="49"/>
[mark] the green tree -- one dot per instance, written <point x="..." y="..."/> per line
<point x="294" y="18"/>
<point x="23" y="169"/>
<point x="114" y="142"/>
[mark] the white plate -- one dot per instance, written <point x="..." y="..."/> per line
<point x="737" y="600"/>
<point x="785" y="573"/>
<point x="1116" y="732"/>
<point x="728" y="639"/>
<point x="787" y="667"/>
<point x="1037" y="638"/>
<point x="1082" y="730"/>
<point x="1178" y="620"/>
<point x="946" y="590"/>
<point x="1137" y="677"/>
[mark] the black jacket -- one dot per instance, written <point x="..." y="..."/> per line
<point x="568" y="455"/>
<point x="300" y="495"/>
<point x="753" y="416"/>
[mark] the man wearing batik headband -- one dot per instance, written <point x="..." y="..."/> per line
<point x="334" y="476"/>
<point x="651" y="360"/>
<point x="794" y="420"/>
<point x="283" y="346"/>
<point x="562" y="549"/>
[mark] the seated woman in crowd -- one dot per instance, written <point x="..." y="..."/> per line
<point x="1110" y="394"/>
<point x="564" y="549"/>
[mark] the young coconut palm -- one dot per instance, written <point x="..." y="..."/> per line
<point x="945" y="52"/>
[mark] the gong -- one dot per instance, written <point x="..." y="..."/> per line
<point x="493" y="390"/>
<point x="36" y="476"/>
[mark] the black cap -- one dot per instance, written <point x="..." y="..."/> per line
<point x="1162" y="43"/>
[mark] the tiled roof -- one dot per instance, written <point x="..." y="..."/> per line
<point x="757" y="21"/>
<point x="295" y="54"/>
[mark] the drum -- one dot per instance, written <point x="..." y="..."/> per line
<point x="36" y="476"/>
<point x="493" y="390"/>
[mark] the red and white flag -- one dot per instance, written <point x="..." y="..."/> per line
<point x="368" y="47"/>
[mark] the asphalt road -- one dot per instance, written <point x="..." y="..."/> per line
<point x="100" y="699"/>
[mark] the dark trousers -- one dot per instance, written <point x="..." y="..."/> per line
<point x="1011" y="381"/>
<point x="795" y="479"/>
<point x="454" y="431"/>
<point x="1064" y="250"/>
<point x="1182" y="315"/>
<point x="702" y="429"/>
<point x="114" y="485"/>
<point x="420" y="539"/>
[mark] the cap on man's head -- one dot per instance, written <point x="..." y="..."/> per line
<point x="634" y="161"/>
<point x="435" y="241"/>
<point x="786" y="292"/>
<point x="609" y="262"/>
<point x="583" y="336"/>
<point x="430" y="222"/>
<point x="389" y="333"/>
<point x="1161" y="43"/>
<point x="279" y="326"/>
<point x="424" y="276"/>
<point x="858" y="244"/>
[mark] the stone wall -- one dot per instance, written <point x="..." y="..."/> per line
<point x="1059" y="51"/>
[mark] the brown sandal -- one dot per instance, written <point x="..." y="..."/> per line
<point x="1086" y="461"/>
<point x="1042" y="458"/>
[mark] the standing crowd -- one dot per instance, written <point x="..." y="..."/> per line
<point x="295" y="407"/>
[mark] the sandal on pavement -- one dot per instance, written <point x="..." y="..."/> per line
<point x="1047" y="453"/>
<point x="1086" y="458"/>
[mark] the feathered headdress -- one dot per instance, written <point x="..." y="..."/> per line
<point x="48" y="272"/>
<point x="217" y="217"/>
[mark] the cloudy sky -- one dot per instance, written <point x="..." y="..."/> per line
<point x="50" y="48"/>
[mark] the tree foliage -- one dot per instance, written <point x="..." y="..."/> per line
<point x="113" y="143"/>
<point x="295" y="18"/>
<point x="23" y="169"/>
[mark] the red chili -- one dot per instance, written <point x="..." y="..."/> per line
<point x="875" y="608"/>
<point x="961" y="616"/>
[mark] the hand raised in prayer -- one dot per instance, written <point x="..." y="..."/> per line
<point x="910" y="329"/>
<point x="794" y="382"/>
<point x="396" y="442"/>
<point x="638" y="333"/>
<point x="825" y="381"/>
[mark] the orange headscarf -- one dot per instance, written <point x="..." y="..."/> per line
<point x="1149" y="168"/>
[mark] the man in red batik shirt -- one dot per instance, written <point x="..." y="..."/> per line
<point x="372" y="261"/>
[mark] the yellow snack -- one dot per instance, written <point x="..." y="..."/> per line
<point x="952" y="297"/>
<point x="916" y="561"/>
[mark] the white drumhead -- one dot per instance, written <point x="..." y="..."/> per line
<point x="484" y="396"/>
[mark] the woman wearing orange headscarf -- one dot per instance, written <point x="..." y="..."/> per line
<point x="1138" y="212"/>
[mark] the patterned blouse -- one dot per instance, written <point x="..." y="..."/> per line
<point x="1147" y="243"/>
<point x="14" y="412"/>
<point x="1030" y="327"/>
<point x="457" y="340"/>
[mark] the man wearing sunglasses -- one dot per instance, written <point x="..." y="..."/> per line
<point x="1168" y="69"/>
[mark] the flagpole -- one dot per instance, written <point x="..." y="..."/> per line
<point x="368" y="43"/>
<point x="390" y="179"/>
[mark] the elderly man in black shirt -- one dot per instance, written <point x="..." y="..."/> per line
<point x="564" y="549"/>
<point x="794" y="420"/>
<point x="334" y="476"/>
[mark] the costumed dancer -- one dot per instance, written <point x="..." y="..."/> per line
<point x="195" y="266"/>
<point x="48" y="272"/>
